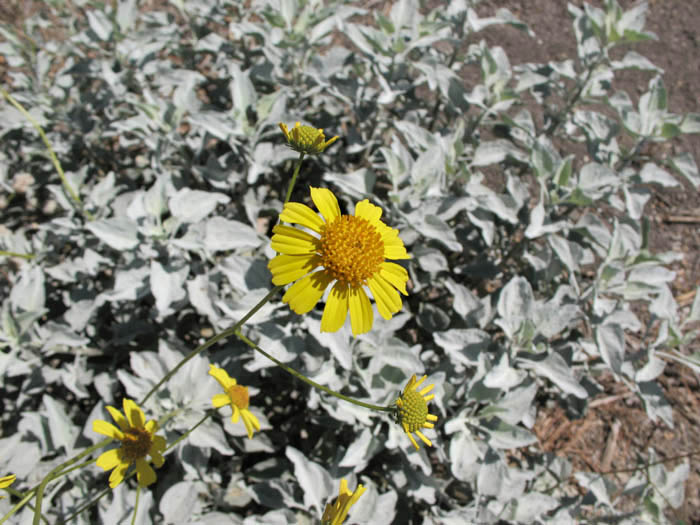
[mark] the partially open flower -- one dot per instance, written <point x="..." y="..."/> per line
<point x="412" y="410"/>
<point x="306" y="139"/>
<point x="236" y="396"/>
<point x="138" y="441"/>
<point x="6" y="481"/>
<point x="350" y="251"/>
<point x="335" y="513"/>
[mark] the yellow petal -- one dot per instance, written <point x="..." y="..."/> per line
<point x="361" y="316"/>
<point x="251" y="422"/>
<point x="145" y="473"/>
<point x="134" y="414"/>
<point x="293" y="241"/>
<point x="151" y="426"/>
<point x="286" y="269"/>
<point x="424" y="439"/>
<point x="326" y="203"/>
<point x="393" y="245"/>
<point x="118" y="417"/>
<point x="110" y="459"/>
<point x="297" y="213"/>
<point x="303" y="295"/>
<point x="220" y="400"/>
<point x="395" y="274"/>
<point x="336" y="310"/>
<point x="6" y="481"/>
<point x="221" y="376"/>
<point x="236" y="414"/>
<point x="117" y="475"/>
<point x="413" y="440"/>
<point x="107" y="429"/>
<point x="368" y="211"/>
<point x="387" y="298"/>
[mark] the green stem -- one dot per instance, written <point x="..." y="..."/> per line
<point x="57" y="165"/>
<point x="294" y="177"/>
<point x="55" y="473"/>
<point x="3" y="253"/>
<point x="223" y="335"/>
<point x="308" y="381"/>
<point x="136" y="504"/>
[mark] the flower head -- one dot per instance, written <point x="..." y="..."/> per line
<point x="138" y="440"/>
<point x="351" y="250"/>
<point x="236" y="396"/>
<point x="412" y="410"/>
<point x="6" y="481"/>
<point x="306" y="139"/>
<point x="336" y="513"/>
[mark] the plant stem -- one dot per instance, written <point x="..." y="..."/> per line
<point x="308" y="381"/>
<point x="57" y="165"/>
<point x="3" y="253"/>
<point x="294" y="177"/>
<point x="223" y="335"/>
<point x="136" y="504"/>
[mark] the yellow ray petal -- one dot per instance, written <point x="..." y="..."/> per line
<point x="303" y="295"/>
<point x="107" y="429"/>
<point x="336" y="310"/>
<point x="118" y="417"/>
<point x="395" y="274"/>
<point x="145" y="473"/>
<point x="110" y="459"/>
<point x="368" y="211"/>
<point x="387" y="298"/>
<point x="293" y="241"/>
<point x="221" y="376"/>
<point x="286" y="269"/>
<point x="361" y="316"/>
<point x="326" y="203"/>
<point x="117" y="475"/>
<point x="297" y="213"/>
<point x="220" y="400"/>
<point x="134" y="414"/>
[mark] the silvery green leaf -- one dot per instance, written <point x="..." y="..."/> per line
<point x="690" y="123"/>
<point x="465" y="457"/>
<point x="595" y="180"/>
<point x="357" y="184"/>
<point x="202" y="293"/>
<point x="495" y="151"/>
<point x="515" y="305"/>
<point x="655" y="402"/>
<point x="337" y="343"/>
<point x="633" y="60"/>
<point x="313" y="479"/>
<point x="129" y="284"/>
<point x="598" y="485"/>
<point x="167" y="285"/>
<point x="671" y="484"/>
<point x="536" y="227"/>
<point x="224" y="234"/>
<point x="464" y="345"/>
<point x="119" y="233"/>
<point x="464" y="301"/>
<point x="194" y="205"/>
<point x="127" y="13"/>
<point x="57" y="336"/>
<point x="686" y="166"/>
<point x="564" y="249"/>
<point x="635" y="200"/>
<point x="28" y="293"/>
<point x="181" y="499"/>
<point x="99" y="23"/>
<point x="504" y="436"/>
<point x="62" y="430"/>
<point x="435" y="228"/>
<point x="430" y="260"/>
<point x="610" y="339"/>
<point x="496" y="479"/>
<point x="104" y="191"/>
<point x="555" y="368"/>
<point x="529" y="507"/>
<point x="652" y="173"/>
<point x="360" y="451"/>
<point x="653" y="368"/>
<point x="211" y="436"/>
<point x="503" y="376"/>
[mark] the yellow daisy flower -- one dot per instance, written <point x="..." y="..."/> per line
<point x="306" y="139"/>
<point x="336" y="513"/>
<point x="236" y="396"/>
<point x="350" y="250"/>
<point x="138" y="440"/>
<point x="6" y="481"/>
<point x="412" y="410"/>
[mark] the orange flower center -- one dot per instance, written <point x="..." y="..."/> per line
<point x="136" y="444"/>
<point x="239" y="396"/>
<point x="351" y="250"/>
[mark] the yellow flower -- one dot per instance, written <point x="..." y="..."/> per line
<point x="236" y="396"/>
<point x="412" y="411"/>
<point x="6" y="482"/>
<point x="351" y="251"/>
<point x="306" y="139"/>
<point x="336" y="513"/>
<point x="138" y="440"/>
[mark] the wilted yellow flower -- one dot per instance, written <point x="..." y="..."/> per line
<point x="236" y="396"/>
<point x="412" y="411"/>
<point x="335" y="513"/>
<point x="350" y="250"/>
<point x="138" y="440"/>
<point x="6" y="482"/>
<point x="306" y="139"/>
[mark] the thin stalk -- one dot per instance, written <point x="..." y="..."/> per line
<point x="294" y="177"/>
<point x="136" y="504"/>
<point x="57" y="165"/>
<point x="223" y="335"/>
<point x="3" y="253"/>
<point x="308" y="381"/>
